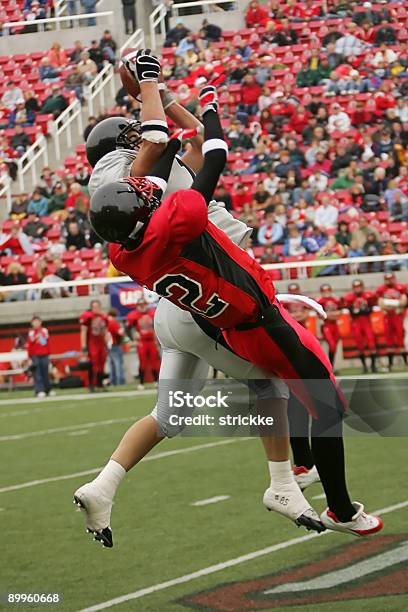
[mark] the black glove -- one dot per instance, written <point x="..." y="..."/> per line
<point x="143" y="66"/>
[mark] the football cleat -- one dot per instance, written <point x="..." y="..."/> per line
<point x="290" y="502"/>
<point x="305" y="477"/>
<point x="361" y="524"/>
<point x="97" y="510"/>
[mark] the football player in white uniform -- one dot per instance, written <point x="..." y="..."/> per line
<point x="188" y="346"/>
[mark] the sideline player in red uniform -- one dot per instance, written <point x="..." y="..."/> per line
<point x="140" y="321"/>
<point x="392" y="298"/>
<point x="360" y="304"/>
<point x="298" y="311"/>
<point x="331" y="304"/>
<point x="94" y="341"/>
<point x="172" y="248"/>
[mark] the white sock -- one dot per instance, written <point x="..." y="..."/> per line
<point x="281" y="473"/>
<point x="110" y="477"/>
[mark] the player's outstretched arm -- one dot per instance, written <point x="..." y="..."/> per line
<point x="193" y="158"/>
<point x="215" y="149"/>
<point x="145" y="69"/>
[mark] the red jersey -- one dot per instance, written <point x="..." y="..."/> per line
<point x="97" y="325"/>
<point x="115" y="330"/>
<point x="37" y="342"/>
<point x="143" y="322"/>
<point x="361" y="304"/>
<point x="330" y="304"/>
<point x="186" y="259"/>
<point x="392" y="292"/>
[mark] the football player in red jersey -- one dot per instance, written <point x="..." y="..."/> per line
<point x="360" y="304"/>
<point x="392" y="298"/>
<point x="140" y="321"/>
<point x="331" y="304"/>
<point x="298" y="311"/>
<point x="94" y="341"/>
<point x="172" y="248"/>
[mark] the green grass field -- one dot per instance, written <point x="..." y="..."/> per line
<point x="160" y="536"/>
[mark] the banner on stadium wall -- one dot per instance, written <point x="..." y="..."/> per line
<point x="124" y="297"/>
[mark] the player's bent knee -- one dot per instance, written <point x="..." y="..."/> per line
<point x="170" y="425"/>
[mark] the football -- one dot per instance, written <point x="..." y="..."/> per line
<point x="129" y="83"/>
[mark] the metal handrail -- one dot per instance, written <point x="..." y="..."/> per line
<point x="157" y="19"/>
<point x="64" y="123"/>
<point x="56" y="20"/>
<point x="137" y="39"/>
<point x="28" y="160"/>
<point x="97" y="86"/>
<point x="278" y="266"/>
<point x="5" y="189"/>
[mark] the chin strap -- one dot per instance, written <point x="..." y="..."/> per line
<point x="290" y="298"/>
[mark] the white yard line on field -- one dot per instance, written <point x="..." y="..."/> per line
<point x="210" y="500"/>
<point x="75" y="397"/>
<point x="81" y="426"/>
<point x="81" y="432"/>
<point x="170" y="453"/>
<point x="212" y="569"/>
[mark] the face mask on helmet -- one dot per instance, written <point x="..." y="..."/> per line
<point x="120" y="211"/>
<point x="111" y="134"/>
<point x="131" y="136"/>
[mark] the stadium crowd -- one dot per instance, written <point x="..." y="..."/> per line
<point x="315" y="111"/>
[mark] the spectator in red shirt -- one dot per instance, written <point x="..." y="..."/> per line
<point x="256" y="15"/>
<point x="38" y="352"/>
<point x="299" y="120"/>
<point x="94" y="342"/>
<point x="77" y="199"/>
<point x="360" y="116"/>
<point x="250" y="92"/>
<point x="293" y="10"/>
<point x="15" y="243"/>
<point x="311" y="10"/>
<point x="116" y="367"/>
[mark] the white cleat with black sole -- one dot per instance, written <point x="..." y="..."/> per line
<point x="97" y="510"/>
<point x="361" y="524"/>
<point x="305" y="477"/>
<point x="290" y="502"/>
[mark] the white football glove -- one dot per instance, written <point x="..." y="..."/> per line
<point x="143" y="66"/>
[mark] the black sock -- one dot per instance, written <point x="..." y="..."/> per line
<point x="299" y="433"/>
<point x="363" y="360"/>
<point x="373" y="366"/>
<point x="141" y="376"/>
<point x="99" y="379"/>
<point x="404" y="356"/>
<point x="331" y="356"/>
<point x="328" y="453"/>
<point x="155" y="375"/>
<point x="390" y="359"/>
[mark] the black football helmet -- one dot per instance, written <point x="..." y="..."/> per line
<point x="110" y="134"/>
<point x="120" y="211"/>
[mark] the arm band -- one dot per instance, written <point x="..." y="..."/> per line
<point x="155" y="131"/>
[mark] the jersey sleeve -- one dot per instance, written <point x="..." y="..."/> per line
<point x="85" y="318"/>
<point x="110" y="168"/>
<point x="131" y="319"/>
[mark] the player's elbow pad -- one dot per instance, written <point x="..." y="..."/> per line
<point x="215" y="151"/>
<point x="155" y="131"/>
